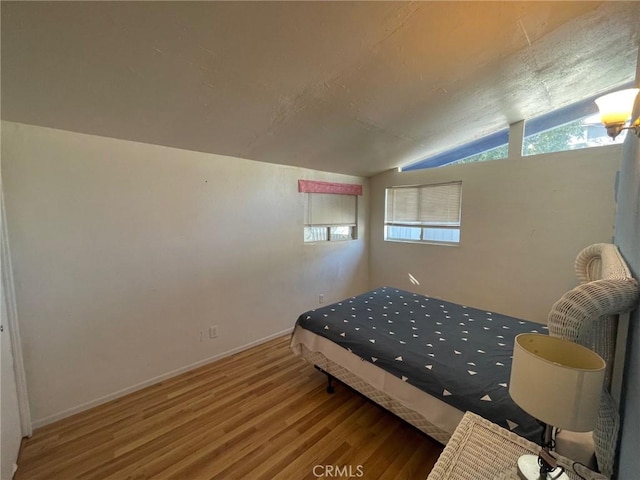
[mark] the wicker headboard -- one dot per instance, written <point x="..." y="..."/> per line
<point x="591" y="314"/>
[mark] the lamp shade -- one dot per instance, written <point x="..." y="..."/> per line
<point x="615" y="108"/>
<point x="557" y="381"/>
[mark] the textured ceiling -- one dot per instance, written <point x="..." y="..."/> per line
<point x="350" y="87"/>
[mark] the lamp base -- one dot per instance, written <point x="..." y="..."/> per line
<point x="528" y="469"/>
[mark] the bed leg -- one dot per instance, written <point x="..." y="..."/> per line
<point x="330" y="379"/>
<point x="330" y="388"/>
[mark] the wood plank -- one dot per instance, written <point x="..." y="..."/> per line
<point x="259" y="414"/>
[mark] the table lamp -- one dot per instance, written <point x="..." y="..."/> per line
<point x="559" y="383"/>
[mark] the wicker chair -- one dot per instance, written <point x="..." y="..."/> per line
<point x="588" y="315"/>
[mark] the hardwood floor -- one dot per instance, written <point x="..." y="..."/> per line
<point x="260" y="414"/>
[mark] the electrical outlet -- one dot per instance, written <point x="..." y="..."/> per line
<point x="213" y="331"/>
<point x="321" y="298"/>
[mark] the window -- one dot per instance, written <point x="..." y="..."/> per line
<point x="571" y="127"/>
<point x="583" y="132"/>
<point x="330" y="217"/>
<point x="496" y="153"/>
<point x="425" y="213"/>
<point x="491" y="147"/>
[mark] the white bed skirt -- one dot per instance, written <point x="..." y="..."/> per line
<point x="401" y="398"/>
<point x="425" y="412"/>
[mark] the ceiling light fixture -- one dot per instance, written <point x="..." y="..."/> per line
<point x="615" y="109"/>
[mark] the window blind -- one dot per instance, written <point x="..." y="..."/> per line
<point x="424" y="205"/>
<point x="330" y="209"/>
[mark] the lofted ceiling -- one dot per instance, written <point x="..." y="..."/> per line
<point x="347" y="87"/>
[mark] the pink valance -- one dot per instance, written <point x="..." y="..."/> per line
<point x="312" y="186"/>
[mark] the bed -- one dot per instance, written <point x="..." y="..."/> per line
<point x="428" y="360"/>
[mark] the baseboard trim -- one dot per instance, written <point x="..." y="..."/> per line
<point x="139" y="386"/>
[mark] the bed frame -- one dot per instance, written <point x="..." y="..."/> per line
<point x="594" y="314"/>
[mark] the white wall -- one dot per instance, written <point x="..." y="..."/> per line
<point x="523" y="222"/>
<point x="627" y="237"/>
<point x="124" y="252"/>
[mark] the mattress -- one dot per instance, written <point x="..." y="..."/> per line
<point x="459" y="355"/>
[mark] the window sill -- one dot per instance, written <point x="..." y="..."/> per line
<point x="421" y="242"/>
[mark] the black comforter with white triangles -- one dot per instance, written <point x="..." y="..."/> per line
<point x="458" y="354"/>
